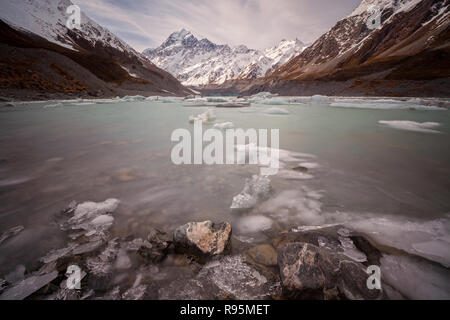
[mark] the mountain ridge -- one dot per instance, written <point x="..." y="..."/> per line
<point x="49" y="58"/>
<point x="201" y="62"/>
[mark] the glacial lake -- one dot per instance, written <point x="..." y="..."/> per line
<point x="388" y="180"/>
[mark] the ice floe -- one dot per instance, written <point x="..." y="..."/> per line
<point x="255" y="189"/>
<point x="254" y="224"/>
<point x="205" y="117"/>
<point x="10" y="233"/>
<point x="28" y="286"/>
<point x="279" y="111"/>
<point x="427" y="127"/>
<point x="415" y="279"/>
<point x="428" y="239"/>
<point x="224" y="125"/>
<point x="320" y="100"/>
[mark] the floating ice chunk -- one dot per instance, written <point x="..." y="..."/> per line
<point x="88" y="210"/>
<point x="87" y="247"/>
<point x="318" y="99"/>
<point x="234" y="105"/>
<point x="412" y="125"/>
<point x="368" y="104"/>
<point x="274" y="101"/>
<point x="55" y="105"/>
<point x="28" y="286"/>
<point x="10" y="233"/>
<point x="57" y="254"/>
<point x="17" y="275"/>
<point x="135" y="293"/>
<point x="195" y="104"/>
<point x="102" y="220"/>
<point x="123" y="260"/>
<point x="263" y="95"/>
<point x="253" y="224"/>
<point x="205" y="117"/>
<point x="134" y="98"/>
<point x="224" y="125"/>
<point x="309" y="165"/>
<point x="294" y="206"/>
<point x="257" y="188"/>
<point x="351" y="251"/>
<point x="423" y="238"/>
<point x="276" y="111"/>
<point x="415" y="279"/>
<point x="83" y="104"/>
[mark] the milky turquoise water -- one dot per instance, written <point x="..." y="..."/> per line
<point x="52" y="156"/>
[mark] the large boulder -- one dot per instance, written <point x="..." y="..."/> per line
<point x="311" y="272"/>
<point x="203" y="239"/>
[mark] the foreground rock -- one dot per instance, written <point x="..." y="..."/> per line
<point x="203" y="239"/>
<point x="311" y="272"/>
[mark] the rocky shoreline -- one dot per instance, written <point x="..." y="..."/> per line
<point x="327" y="262"/>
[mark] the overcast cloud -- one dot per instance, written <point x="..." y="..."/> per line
<point x="256" y="23"/>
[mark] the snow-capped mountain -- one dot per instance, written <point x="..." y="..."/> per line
<point x="105" y="62"/>
<point x="47" y="18"/>
<point x="376" y="32"/>
<point x="201" y="62"/>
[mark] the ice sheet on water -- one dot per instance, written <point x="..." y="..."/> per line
<point x="381" y="104"/>
<point x="134" y="98"/>
<point x="351" y="251"/>
<point x="205" y="117"/>
<point x="278" y="111"/>
<point x="12" y="232"/>
<point x="263" y="95"/>
<point x="294" y="206"/>
<point x="87" y="210"/>
<point x="427" y="127"/>
<point x="16" y="275"/>
<point x="255" y="189"/>
<point x="254" y="224"/>
<point x="224" y="125"/>
<point x="54" y="105"/>
<point x="28" y="286"/>
<point x="320" y="100"/>
<point x="429" y="239"/>
<point x="415" y="279"/>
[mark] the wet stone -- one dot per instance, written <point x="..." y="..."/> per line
<point x="311" y="272"/>
<point x="203" y="239"/>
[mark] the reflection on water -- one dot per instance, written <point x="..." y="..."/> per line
<point x="351" y="167"/>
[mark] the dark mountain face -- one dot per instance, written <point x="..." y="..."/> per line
<point x="91" y="61"/>
<point x="350" y="49"/>
<point x="407" y="54"/>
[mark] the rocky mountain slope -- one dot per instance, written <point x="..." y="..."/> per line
<point x="40" y="56"/>
<point x="407" y="53"/>
<point x="200" y="62"/>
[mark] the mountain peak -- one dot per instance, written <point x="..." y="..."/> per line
<point x="182" y="34"/>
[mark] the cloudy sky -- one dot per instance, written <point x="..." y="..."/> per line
<point x="256" y="23"/>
